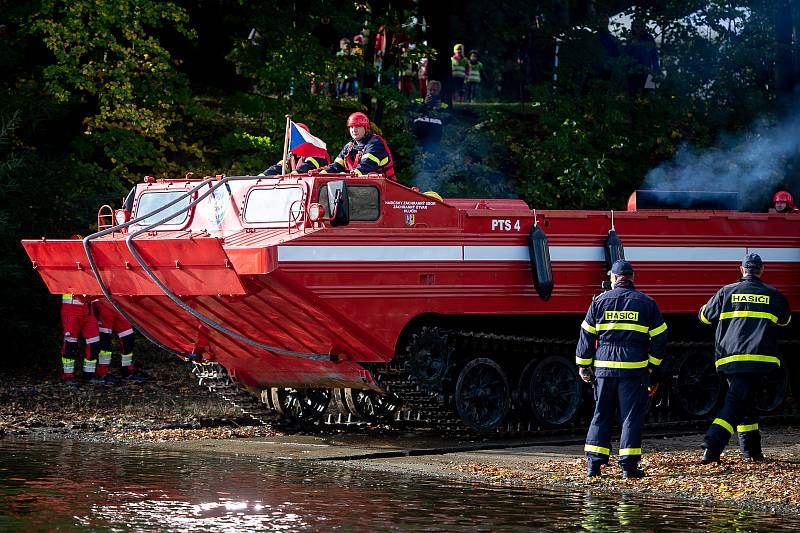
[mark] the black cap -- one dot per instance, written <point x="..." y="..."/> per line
<point x="752" y="262"/>
<point x="621" y="267"/>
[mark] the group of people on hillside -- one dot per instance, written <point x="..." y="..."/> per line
<point x="466" y="74"/>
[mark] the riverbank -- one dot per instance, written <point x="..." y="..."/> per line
<point x="37" y="401"/>
<point x="170" y="410"/>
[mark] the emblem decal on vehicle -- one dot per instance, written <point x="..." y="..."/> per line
<point x="220" y="201"/>
<point x="410" y="219"/>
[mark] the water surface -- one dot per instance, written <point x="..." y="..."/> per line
<point x="74" y="486"/>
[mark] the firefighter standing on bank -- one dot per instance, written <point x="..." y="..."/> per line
<point x="623" y="337"/>
<point x="366" y="153"/>
<point x="78" y="321"/>
<point x="747" y="314"/>
<point x="110" y="322"/>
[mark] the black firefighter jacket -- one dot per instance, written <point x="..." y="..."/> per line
<point x="623" y="333"/>
<point x="748" y="314"/>
<point x="370" y="154"/>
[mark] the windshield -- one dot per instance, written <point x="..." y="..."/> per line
<point x="150" y="201"/>
<point x="272" y="205"/>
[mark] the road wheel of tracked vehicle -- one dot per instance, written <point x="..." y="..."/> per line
<point x="696" y="387"/>
<point x="430" y="358"/>
<point x="266" y="398"/>
<point x="367" y="404"/>
<point x="482" y="395"/>
<point x="300" y="405"/>
<point x="771" y="391"/>
<point x="554" y="391"/>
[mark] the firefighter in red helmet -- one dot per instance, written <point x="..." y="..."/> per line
<point x="366" y="153"/>
<point x="297" y="164"/>
<point x="783" y="202"/>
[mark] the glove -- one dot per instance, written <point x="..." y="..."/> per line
<point x="586" y="373"/>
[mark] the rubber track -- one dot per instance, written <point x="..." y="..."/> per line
<point x="426" y="409"/>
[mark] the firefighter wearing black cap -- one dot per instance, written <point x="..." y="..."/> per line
<point x="748" y="314"/>
<point x="623" y="337"/>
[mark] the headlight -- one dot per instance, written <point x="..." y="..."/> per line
<point x="316" y="212"/>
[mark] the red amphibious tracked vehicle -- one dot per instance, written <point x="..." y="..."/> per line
<point x="312" y="287"/>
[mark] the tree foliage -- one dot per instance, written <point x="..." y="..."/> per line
<point x="97" y="93"/>
<point x="107" y="54"/>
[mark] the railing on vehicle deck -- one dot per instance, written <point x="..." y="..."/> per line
<point x="167" y="292"/>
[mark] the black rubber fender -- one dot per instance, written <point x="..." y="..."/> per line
<point x="541" y="267"/>
<point x="614" y="250"/>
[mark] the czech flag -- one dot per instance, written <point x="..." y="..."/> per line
<point x="304" y="144"/>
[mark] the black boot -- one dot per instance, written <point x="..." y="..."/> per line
<point x="755" y="457"/>
<point x="593" y="471"/>
<point x="710" y="457"/>
<point x="635" y="473"/>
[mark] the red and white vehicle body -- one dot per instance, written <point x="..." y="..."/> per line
<point x="248" y="256"/>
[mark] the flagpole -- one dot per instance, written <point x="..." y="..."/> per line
<point x="286" y="144"/>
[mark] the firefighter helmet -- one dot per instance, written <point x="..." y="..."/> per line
<point x="458" y="47"/>
<point x="783" y="196"/>
<point x="358" y="119"/>
<point x="302" y="126"/>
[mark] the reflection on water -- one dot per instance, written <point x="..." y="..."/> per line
<point x="70" y="486"/>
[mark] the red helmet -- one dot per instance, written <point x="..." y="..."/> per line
<point x="783" y="196"/>
<point x="301" y="125"/>
<point x="358" y="119"/>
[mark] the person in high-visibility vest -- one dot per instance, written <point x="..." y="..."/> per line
<point x="474" y="68"/>
<point x="458" y="71"/>
<point x="78" y="321"/>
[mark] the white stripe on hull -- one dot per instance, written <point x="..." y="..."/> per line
<point x="370" y="253"/>
<point x="686" y="254"/>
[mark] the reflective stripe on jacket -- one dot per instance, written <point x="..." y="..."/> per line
<point x="623" y="333"/>
<point x="371" y="154"/>
<point x="748" y="314"/>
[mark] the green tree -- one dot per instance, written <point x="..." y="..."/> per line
<point x="108" y="55"/>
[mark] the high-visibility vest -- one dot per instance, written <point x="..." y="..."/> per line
<point x="458" y="67"/>
<point x="474" y="70"/>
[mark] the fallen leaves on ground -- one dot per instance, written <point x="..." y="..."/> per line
<point x="170" y="398"/>
<point x="217" y="433"/>
<point x="774" y="481"/>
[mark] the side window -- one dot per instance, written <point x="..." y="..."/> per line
<point x="365" y="202"/>
<point x="151" y="201"/>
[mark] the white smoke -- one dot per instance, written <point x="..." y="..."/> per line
<point x="752" y="164"/>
